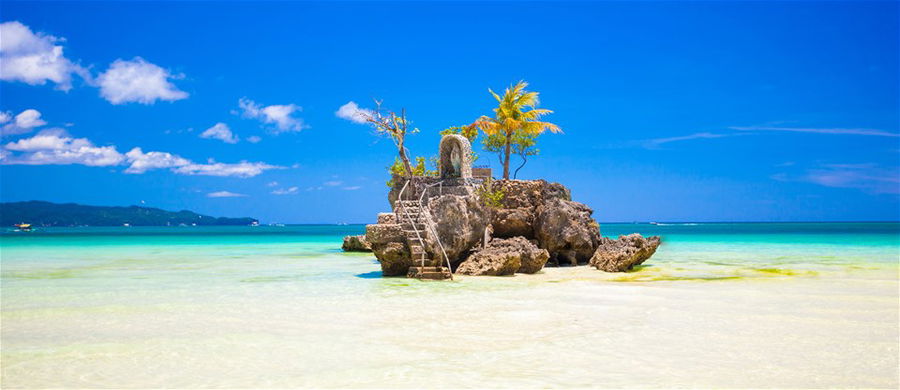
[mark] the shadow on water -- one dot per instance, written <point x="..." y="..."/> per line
<point x="370" y="275"/>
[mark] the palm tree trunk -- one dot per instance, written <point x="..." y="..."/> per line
<point x="506" y="156"/>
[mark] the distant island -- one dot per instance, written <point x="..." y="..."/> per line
<point x="39" y="213"/>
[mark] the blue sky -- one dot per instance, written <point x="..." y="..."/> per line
<point x="675" y="111"/>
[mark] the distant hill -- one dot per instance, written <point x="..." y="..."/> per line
<point x="40" y="213"/>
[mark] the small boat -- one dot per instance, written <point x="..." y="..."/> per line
<point x="23" y="227"/>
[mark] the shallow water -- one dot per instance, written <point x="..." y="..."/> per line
<point x="719" y="305"/>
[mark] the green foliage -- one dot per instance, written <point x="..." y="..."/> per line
<point x="490" y="197"/>
<point x="420" y="168"/>
<point x="522" y="144"/>
<point x="40" y="213"/>
<point x="470" y="132"/>
<point x="516" y="115"/>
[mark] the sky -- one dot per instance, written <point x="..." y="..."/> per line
<point x="671" y="111"/>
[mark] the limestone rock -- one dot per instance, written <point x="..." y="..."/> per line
<point x="387" y="218"/>
<point x="384" y="233"/>
<point x="356" y="244"/>
<point x="566" y="230"/>
<point x="623" y="254"/>
<point x="394" y="258"/>
<point x="460" y="222"/>
<point x="513" y="222"/>
<point x="529" y="193"/>
<point x="505" y="257"/>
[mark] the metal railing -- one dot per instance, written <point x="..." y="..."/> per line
<point x="429" y="223"/>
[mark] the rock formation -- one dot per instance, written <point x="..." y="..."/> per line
<point x="566" y="229"/>
<point x="460" y="222"/>
<point x="505" y="257"/>
<point x="356" y="244"/>
<point x="623" y="254"/>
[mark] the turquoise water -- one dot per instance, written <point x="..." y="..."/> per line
<point x="806" y="304"/>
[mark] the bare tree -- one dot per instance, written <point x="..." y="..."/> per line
<point x="392" y="125"/>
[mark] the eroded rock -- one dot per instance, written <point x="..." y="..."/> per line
<point x="505" y="257"/>
<point x="394" y="258"/>
<point x="460" y="222"/>
<point x="513" y="222"/>
<point x="566" y="230"/>
<point x="356" y="244"/>
<point x="623" y="254"/>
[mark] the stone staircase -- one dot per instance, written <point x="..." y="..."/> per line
<point x="415" y="228"/>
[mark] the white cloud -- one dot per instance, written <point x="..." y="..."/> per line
<point x="5" y="117"/>
<point x="253" y="139"/>
<point x="272" y="184"/>
<point x="352" y="188"/>
<point x="142" y="162"/>
<point x="278" y="115"/>
<point x="56" y="147"/>
<point x="220" y="131"/>
<point x="242" y="169"/>
<point x="34" y="59"/>
<point x="333" y="183"/>
<point x="657" y="142"/>
<point x="224" y="194"/>
<point x="289" y="191"/>
<point x="353" y="113"/>
<point x="872" y="132"/>
<point x="138" y="81"/>
<point x="23" y="123"/>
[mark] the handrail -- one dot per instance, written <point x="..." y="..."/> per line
<point x="411" y="222"/>
<point x="429" y="223"/>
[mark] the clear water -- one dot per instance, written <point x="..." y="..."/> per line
<point x="719" y="305"/>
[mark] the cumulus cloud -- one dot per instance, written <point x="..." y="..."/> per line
<point x="242" y="169"/>
<point x="23" y="123"/>
<point x="224" y="194"/>
<point x="138" y="81"/>
<point x="142" y="162"/>
<point x="353" y="113"/>
<point x="288" y="191"/>
<point x="280" y="116"/>
<point x="220" y="131"/>
<point x="34" y="58"/>
<point x="56" y="147"/>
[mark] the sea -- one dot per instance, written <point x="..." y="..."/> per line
<point x="720" y="305"/>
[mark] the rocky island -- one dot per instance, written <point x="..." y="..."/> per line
<point x="470" y="224"/>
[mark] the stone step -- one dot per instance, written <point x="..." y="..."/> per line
<point x="426" y="269"/>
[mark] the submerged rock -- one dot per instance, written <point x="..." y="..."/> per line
<point x="505" y="257"/>
<point x="566" y="230"/>
<point x="623" y="254"/>
<point x="356" y="244"/>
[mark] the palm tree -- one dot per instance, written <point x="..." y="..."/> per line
<point x="516" y="113"/>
